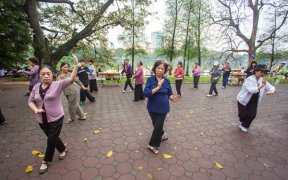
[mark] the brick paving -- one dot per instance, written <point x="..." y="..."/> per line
<point x="202" y="131"/>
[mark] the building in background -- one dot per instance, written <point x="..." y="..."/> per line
<point x="157" y="39"/>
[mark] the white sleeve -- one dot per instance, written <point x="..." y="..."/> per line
<point x="248" y="84"/>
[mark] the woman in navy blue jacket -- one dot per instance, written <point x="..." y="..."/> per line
<point x="158" y="91"/>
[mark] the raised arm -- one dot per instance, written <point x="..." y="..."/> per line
<point x="73" y="74"/>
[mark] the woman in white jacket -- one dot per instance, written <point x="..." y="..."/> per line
<point x="251" y="93"/>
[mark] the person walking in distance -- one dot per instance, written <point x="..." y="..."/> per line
<point x="71" y="94"/>
<point x="158" y="91"/>
<point x="254" y="87"/>
<point x="179" y="75"/>
<point x="33" y="73"/>
<point x="226" y="73"/>
<point x="127" y="69"/>
<point x="215" y="76"/>
<point x="92" y="77"/>
<point x="279" y="73"/>
<point x="45" y="102"/>
<point x="139" y="81"/>
<point x="196" y="74"/>
<point x="82" y="73"/>
<point x="250" y="70"/>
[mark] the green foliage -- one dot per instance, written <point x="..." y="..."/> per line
<point x="14" y="37"/>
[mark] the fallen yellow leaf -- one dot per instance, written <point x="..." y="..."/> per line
<point x="167" y="156"/>
<point x="266" y="165"/>
<point x="175" y="148"/>
<point x="136" y="151"/>
<point x="7" y="155"/>
<point x="29" y="169"/>
<point x="201" y="134"/>
<point x="96" y="132"/>
<point x="41" y="155"/>
<point x="34" y="152"/>
<point x="140" y="134"/>
<point x="150" y="176"/>
<point x="195" y="148"/>
<point x="140" y="168"/>
<point x="109" y="154"/>
<point x="126" y="143"/>
<point x="85" y="139"/>
<point x="219" y="165"/>
<point x="158" y="169"/>
<point x="178" y="122"/>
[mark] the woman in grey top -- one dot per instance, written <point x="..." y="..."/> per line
<point x="215" y="76"/>
<point x="71" y="94"/>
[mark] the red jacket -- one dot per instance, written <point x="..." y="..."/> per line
<point x="179" y="72"/>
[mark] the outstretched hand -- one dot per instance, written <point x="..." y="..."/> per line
<point x="75" y="60"/>
<point x="39" y="111"/>
<point x="270" y="92"/>
<point x="175" y="98"/>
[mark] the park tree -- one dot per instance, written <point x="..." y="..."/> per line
<point x="172" y="33"/>
<point x="240" y="27"/>
<point x="59" y="25"/>
<point x="133" y="37"/>
<point x="15" y="37"/>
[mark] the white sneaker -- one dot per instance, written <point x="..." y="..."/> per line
<point x="124" y="91"/>
<point x="209" y="95"/>
<point x="131" y="90"/>
<point x="243" y="129"/>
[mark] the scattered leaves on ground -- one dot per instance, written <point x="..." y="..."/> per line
<point x="96" y="131"/>
<point x="34" y="152"/>
<point x="41" y="155"/>
<point x="150" y="176"/>
<point x="29" y="169"/>
<point x="109" y="154"/>
<point x="218" y="165"/>
<point x="167" y="156"/>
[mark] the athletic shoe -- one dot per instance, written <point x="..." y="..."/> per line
<point x="209" y="95"/>
<point x="243" y="129"/>
<point x="123" y="91"/>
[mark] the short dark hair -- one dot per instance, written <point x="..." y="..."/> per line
<point x="83" y="60"/>
<point x="45" y="66"/>
<point x="91" y="61"/>
<point x="63" y="64"/>
<point x="34" y="60"/>
<point x="141" y="63"/>
<point x="180" y="63"/>
<point x="158" y="63"/>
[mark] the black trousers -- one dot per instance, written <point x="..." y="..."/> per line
<point x="128" y="82"/>
<point x="158" y="123"/>
<point x="196" y="81"/>
<point x="178" y="86"/>
<point x="138" y="93"/>
<point x="52" y="131"/>
<point x="213" y="88"/>
<point x="247" y="113"/>
<point x="2" y="119"/>
<point x="93" y="85"/>
<point x="84" y="94"/>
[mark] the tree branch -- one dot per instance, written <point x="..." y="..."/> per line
<point x="261" y="42"/>
<point x="54" y="31"/>
<point x="65" y="2"/>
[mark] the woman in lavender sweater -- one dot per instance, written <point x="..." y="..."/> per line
<point x="45" y="102"/>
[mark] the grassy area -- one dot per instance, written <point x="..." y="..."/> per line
<point x="187" y="79"/>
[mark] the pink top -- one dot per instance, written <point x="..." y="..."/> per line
<point x="139" y="76"/>
<point x="196" y="71"/>
<point x="179" y="72"/>
<point x="52" y="100"/>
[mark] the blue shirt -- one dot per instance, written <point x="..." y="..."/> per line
<point x="158" y="102"/>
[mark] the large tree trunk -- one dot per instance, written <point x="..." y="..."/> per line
<point x="174" y="30"/>
<point x="199" y="34"/>
<point x="40" y="44"/>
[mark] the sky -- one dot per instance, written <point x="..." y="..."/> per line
<point x="156" y="23"/>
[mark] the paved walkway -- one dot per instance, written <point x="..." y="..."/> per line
<point x="202" y="131"/>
